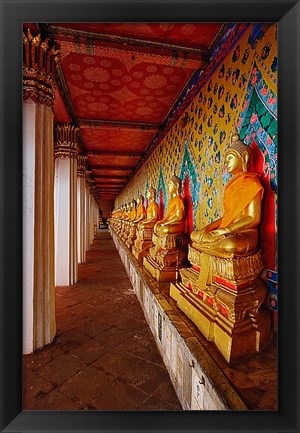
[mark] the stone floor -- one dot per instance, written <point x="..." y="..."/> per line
<point x="103" y="356"/>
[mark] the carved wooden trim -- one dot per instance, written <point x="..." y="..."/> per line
<point x="66" y="141"/>
<point x="40" y="59"/>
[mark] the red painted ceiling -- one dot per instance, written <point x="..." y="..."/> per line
<point x="118" y="81"/>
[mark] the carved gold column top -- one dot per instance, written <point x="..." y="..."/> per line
<point x="81" y="165"/>
<point x="89" y="181"/>
<point x="40" y="59"/>
<point x="66" y="141"/>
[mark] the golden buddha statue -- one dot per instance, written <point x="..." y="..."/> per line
<point x="124" y="220"/>
<point x="140" y="214"/>
<point x="173" y="222"/>
<point x="131" y="215"/>
<point x="223" y="292"/>
<point x="169" y="252"/>
<point x="236" y="233"/>
<point x="145" y="227"/>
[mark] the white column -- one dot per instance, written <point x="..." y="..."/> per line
<point x="92" y="219"/>
<point x="81" y="216"/>
<point x="65" y="196"/>
<point x="39" y="326"/>
<point x="87" y="217"/>
<point x="38" y="217"/>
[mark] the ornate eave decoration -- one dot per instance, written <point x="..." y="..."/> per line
<point x="39" y="65"/>
<point x="66" y="142"/>
<point x="81" y="165"/>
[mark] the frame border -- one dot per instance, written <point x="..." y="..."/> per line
<point x="13" y="13"/>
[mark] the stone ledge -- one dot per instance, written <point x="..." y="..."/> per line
<point x="199" y="382"/>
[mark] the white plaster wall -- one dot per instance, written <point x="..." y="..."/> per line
<point x="62" y="221"/>
<point x="28" y="222"/>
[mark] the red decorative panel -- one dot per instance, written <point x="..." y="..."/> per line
<point x="112" y="160"/>
<point x="115" y="138"/>
<point x="109" y="173"/>
<point x="107" y="88"/>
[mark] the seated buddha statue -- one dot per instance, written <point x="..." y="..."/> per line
<point x="169" y="251"/>
<point x="130" y="219"/>
<point x="125" y="219"/>
<point x="173" y="222"/>
<point x="223" y="292"/>
<point x="137" y="216"/>
<point x="236" y="233"/>
<point x="140" y="211"/>
<point x="144" y="230"/>
<point x="152" y="211"/>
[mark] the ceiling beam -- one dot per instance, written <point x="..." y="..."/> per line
<point x="108" y="124"/>
<point x="112" y="167"/>
<point x="112" y="153"/>
<point x="132" y="43"/>
<point x="99" y="176"/>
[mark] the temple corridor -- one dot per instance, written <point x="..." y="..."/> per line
<point x="104" y="356"/>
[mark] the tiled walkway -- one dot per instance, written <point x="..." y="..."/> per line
<point x="103" y="356"/>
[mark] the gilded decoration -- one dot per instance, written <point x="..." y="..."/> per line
<point x="81" y="165"/>
<point x="66" y="141"/>
<point x="40" y="59"/>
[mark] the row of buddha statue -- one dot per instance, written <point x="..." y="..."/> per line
<point x="216" y="271"/>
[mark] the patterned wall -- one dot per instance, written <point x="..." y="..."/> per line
<point x="240" y="92"/>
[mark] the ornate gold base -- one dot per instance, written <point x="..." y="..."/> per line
<point x="142" y="244"/>
<point x="141" y="251"/>
<point x="164" y="264"/>
<point x="158" y="272"/>
<point x="231" y="319"/>
<point x="131" y="236"/>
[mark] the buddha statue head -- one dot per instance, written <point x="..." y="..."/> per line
<point x="237" y="155"/>
<point x="175" y="185"/>
<point x="140" y="199"/>
<point x="151" y="193"/>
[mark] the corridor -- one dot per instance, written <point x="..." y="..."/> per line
<point x="104" y="356"/>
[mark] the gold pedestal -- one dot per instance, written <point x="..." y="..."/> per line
<point x="166" y="257"/>
<point x="131" y="235"/>
<point x="142" y="244"/>
<point x="229" y="311"/>
<point x="124" y="232"/>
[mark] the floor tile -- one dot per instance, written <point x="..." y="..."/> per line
<point x="120" y="396"/>
<point x="114" y="336"/>
<point x="87" y="384"/>
<point x="61" y="368"/>
<point x="56" y="400"/>
<point x="91" y="350"/>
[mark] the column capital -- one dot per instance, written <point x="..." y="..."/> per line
<point x="40" y="59"/>
<point x="81" y="165"/>
<point x="66" y="141"/>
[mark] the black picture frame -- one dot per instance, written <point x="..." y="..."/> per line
<point x="13" y="13"/>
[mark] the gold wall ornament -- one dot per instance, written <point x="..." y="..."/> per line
<point x="40" y="60"/>
<point x="66" y="141"/>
